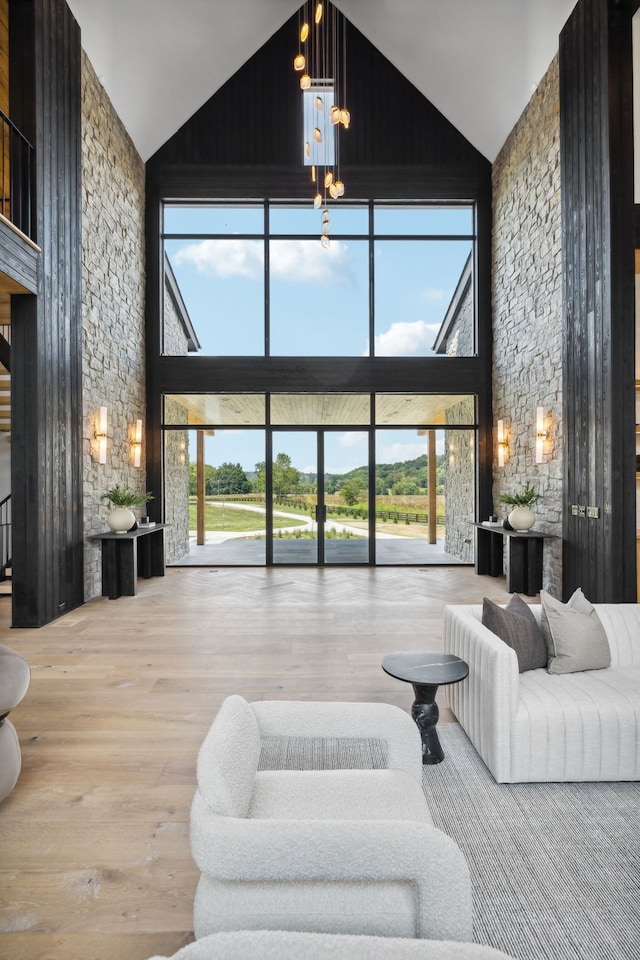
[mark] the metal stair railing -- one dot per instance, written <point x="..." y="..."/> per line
<point x="5" y="538"/>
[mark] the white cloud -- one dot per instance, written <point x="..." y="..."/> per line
<point x="224" y="258"/>
<point x="433" y="295"/>
<point x="352" y="439"/>
<point x="302" y="261"/>
<point x="399" y="452"/>
<point x="407" y="339"/>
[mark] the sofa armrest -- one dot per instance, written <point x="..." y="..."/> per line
<point x="487" y="701"/>
<point x="379" y="721"/>
<point x="245" y="850"/>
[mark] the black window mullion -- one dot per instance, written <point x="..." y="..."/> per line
<point x="267" y="284"/>
<point x="372" y="299"/>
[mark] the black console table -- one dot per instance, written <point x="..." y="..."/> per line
<point x="524" y="556"/>
<point x="125" y="556"/>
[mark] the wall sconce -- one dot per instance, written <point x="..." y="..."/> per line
<point x="503" y="443"/>
<point x="542" y="434"/>
<point x="136" y="443"/>
<point x="101" y="435"/>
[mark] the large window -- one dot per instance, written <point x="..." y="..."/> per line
<point x="397" y="280"/>
<point x="319" y="478"/>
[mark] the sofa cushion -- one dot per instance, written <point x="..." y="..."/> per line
<point x="517" y="626"/>
<point x="228" y="759"/>
<point x="337" y="795"/>
<point x="577" y="639"/>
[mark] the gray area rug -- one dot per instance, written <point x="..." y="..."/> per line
<point x="555" y="867"/>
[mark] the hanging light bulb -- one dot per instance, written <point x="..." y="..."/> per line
<point x="324" y="241"/>
<point x="339" y="185"/>
<point x="317" y="201"/>
<point x="334" y="115"/>
<point x="328" y="178"/>
<point x="317" y="135"/>
<point x="307" y="150"/>
<point x="304" y="32"/>
<point x="333" y="191"/>
<point x="326" y="222"/>
<point x="305" y="81"/>
<point x="299" y="62"/>
<point x="313" y="173"/>
<point x="345" y="118"/>
<point x="319" y="104"/>
<point x="318" y="16"/>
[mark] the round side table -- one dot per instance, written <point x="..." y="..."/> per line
<point x="426" y="672"/>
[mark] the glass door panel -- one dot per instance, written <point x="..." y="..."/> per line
<point x="402" y="527"/>
<point x="294" y="500"/>
<point x="424" y="496"/>
<point x="346" y="501"/>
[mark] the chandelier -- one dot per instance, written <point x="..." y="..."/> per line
<point x="321" y="63"/>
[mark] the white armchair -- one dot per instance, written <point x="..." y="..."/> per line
<point x="333" y="851"/>
<point x="281" y="945"/>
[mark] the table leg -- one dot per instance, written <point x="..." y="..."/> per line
<point x="425" y="713"/>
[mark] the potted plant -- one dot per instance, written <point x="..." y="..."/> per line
<point x="521" y="517"/>
<point x="122" y="518"/>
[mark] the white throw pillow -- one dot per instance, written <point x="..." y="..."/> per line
<point x="575" y="637"/>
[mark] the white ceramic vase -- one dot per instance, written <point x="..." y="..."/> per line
<point x="522" y="519"/>
<point x="121" y="519"/>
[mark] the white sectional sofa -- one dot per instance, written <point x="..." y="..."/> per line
<point x="329" y="851"/>
<point x="537" y="726"/>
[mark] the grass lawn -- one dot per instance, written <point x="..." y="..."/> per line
<point x="233" y="520"/>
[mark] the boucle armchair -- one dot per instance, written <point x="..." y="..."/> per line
<point x="15" y="676"/>
<point x="281" y="945"/>
<point x="333" y="851"/>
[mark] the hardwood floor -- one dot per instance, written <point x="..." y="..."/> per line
<point x="94" y="849"/>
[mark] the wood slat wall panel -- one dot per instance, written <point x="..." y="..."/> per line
<point x="598" y="262"/>
<point x="46" y="349"/>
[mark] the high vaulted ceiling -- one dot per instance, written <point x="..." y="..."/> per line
<point x="477" y="61"/>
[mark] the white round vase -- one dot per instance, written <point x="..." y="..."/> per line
<point x="121" y="519"/>
<point x="522" y="519"/>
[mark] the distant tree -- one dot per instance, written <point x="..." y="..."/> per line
<point x="286" y="477"/>
<point x="209" y="477"/>
<point x="229" y="478"/>
<point x="405" y="488"/>
<point x="352" y="491"/>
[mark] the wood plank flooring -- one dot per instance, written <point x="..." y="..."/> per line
<point x="94" y="850"/>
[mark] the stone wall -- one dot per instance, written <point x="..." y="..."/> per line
<point x="113" y="371"/>
<point x="459" y="485"/>
<point x="527" y="312"/>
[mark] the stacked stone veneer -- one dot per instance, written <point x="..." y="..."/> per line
<point x="113" y="363"/>
<point x="527" y="311"/>
<point x="459" y="473"/>
<point x="176" y="448"/>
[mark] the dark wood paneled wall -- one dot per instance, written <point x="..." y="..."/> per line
<point x="246" y="142"/>
<point x="47" y="331"/>
<point x="598" y="264"/>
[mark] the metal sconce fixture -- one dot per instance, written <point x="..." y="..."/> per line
<point x="542" y="434"/>
<point x="101" y="435"/>
<point x="136" y="443"/>
<point x="503" y="443"/>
